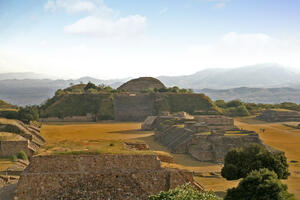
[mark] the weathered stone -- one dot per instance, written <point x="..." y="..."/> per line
<point x="279" y="116"/>
<point x="118" y="177"/>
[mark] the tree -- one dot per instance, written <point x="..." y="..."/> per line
<point x="240" y="162"/>
<point x="259" y="185"/>
<point x="234" y="103"/>
<point x="90" y="86"/>
<point x="28" y="113"/>
<point x="185" y="192"/>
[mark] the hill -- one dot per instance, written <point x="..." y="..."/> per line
<point x="264" y="76"/>
<point x="141" y="84"/>
<point x="98" y="103"/>
<point x="4" y="105"/>
<point x="268" y="83"/>
<point x="255" y="95"/>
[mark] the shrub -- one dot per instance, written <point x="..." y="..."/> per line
<point x="240" y="162"/>
<point x="238" y="111"/>
<point x="22" y="155"/>
<point x="185" y="192"/>
<point x="14" y="158"/>
<point x="259" y="185"/>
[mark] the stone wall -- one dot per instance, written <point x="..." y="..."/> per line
<point x="133" y="107"/>
<point x="215" y="121"/>
<point x="279" y="116"/>
<point x="10" y="148"/>
<point x="87" y="118"/>
<point x="118" y="177"/>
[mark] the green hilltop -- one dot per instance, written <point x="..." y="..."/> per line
<point x="130" y="103"/>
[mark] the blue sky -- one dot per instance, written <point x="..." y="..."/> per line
<point x="118" y="38"/>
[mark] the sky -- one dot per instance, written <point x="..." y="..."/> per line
<point x="130" y="38"/>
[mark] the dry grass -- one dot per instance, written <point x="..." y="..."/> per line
<point x="90" y="138"/>
<point x="283" y="138"/>
<point x="5" y="163"/>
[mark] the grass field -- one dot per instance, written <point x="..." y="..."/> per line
<point x="90" y="138"/>
<point x="281" y="137"/>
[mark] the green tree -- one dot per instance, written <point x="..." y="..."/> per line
<point x="28" y="113"/>
<point x="90" y="86"/>
<point x="234" y="103"/>
<point x="239" y="162"/>
<point x="259" y="185"/>
<point x="22" y="155"/>
<point x="185" y="192"/>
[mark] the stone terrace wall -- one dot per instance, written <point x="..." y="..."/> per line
<point x="279" y="116"/>
<point x="88" y="118"/>
<point x="10" y="148"/>
<point x="133" y="108"/>
<point x="118" y="177"/>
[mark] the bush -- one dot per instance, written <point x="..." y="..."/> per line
<point x="240" y="162"/>
<point x="259" y="185"/>
<point x="238" y="111"/>
<point x="14" y="158"/>
<point x="28" y="113"/>
<point x="22" y="155"/>
<point x="185" y="192"/>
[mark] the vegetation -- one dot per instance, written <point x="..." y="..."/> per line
<point x="185" y="192"/>
<point x="28" y="113"/>
<point x="24" y="114"/>
<point x="22" y="155"/>
<point x="259" y="185"/>
<point x="240" y="162"/>
<point x="237" y="108"/>
<point x="190" y="103"/>
<point x="5" y="105"/>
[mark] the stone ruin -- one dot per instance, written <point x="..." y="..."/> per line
<point x="104" y="176"/>
<point x="206" y="138"/>
<point x="27" y="138"/>
<point x="279" y="116"/>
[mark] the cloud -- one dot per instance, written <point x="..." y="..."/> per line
<point x="163" y="11"/>
<point x="105" y="28"/>
<point x="237" y="49"/>
<point x="100" y="21"/>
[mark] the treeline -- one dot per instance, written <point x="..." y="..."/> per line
<point x="26" y="114"/>
<point x="237" y="108"/>
<point x="91" y="88"/>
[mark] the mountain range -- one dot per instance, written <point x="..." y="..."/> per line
<point x="266" y="83"/>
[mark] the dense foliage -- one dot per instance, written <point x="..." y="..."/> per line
<point x="28" y="113"/>
<point x="185" y="192"/>
<point x="24" y="114"/>
<point x="237" y="108"/>
<point x="22" y="155"/>
<point x="259" y="185"/>
<point x="240" y="162"/>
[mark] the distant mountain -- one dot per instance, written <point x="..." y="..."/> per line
<point x="266" y="83"/>
<point x="255" y="95"/>
<point x="36" y="91"/>
<point x="265" y="75"/>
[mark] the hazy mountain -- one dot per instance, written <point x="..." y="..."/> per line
<point x="36" y="91"/>
<point x="255" y="95"/>
<point x="250" y="84"/>
<point x="266" y="76"/>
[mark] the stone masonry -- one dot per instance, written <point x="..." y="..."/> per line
<point x="115" y="177"/>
